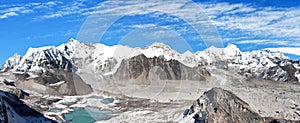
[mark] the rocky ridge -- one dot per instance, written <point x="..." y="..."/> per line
<point x="143" y="68"/>
<point x="218" y="105"/>
<point x="14" y="110"/>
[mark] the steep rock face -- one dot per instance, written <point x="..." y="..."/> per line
<point x="141" y="67"/>
<point x="10" y="87"/>
<point x="49" y="67"/>
<point x="13" y="110"/>
<point x="57" y="83"/>
<point x="218" y="105"/>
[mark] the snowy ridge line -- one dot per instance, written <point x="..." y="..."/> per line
<point x="106" y="59"/>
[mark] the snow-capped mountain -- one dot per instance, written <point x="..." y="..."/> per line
<point x="59" y="70"/>
<point x="260" y="63"/>
<point x="105" y="60"/>
<point x="37" y="60"/>
<point x="96" y="57"/>
<point x="11" y="62"/>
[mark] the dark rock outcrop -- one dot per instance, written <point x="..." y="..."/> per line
<point x="13" y="110"/>
<point x="142" y="67"/>
<point x="218" y="105"/>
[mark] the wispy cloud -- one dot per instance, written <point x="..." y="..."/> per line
<point x="13" y="11"/>
<point x="268" y="42"/>
<point x="8" y="14"/>
<point x="55" y="15"/>
<point x="256" y="24"/>
<point x="236" y="23"/>
<point x="173" y="15"/>
<point x="51" y="9"/>
<point x="251" y="41"/>
<point x="75" y="8"/>
<point x="144" y="26"/>
<point x="263" y="25"/>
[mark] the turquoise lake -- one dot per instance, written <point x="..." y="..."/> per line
<point x="87" y="115"/>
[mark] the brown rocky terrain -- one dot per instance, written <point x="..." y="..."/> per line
<point x="219" y="105"/>
<point x="141" y="67"/>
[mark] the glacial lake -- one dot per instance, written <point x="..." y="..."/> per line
<point x="87" y="115"/>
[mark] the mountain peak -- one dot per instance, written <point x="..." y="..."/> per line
<point x="11" y="62"/>
<point x="16" y="55"/>
<point x="159" y="45"/>
<point x="232" y="50"/>
<point x="232" y="46"/>
<point x="188" y="53"/>
<point x="72" y="40"/>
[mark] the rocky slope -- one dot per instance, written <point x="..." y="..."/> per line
<point x="143" y="68"/>
<point x="48" y="67"/>
<point x="218" y="105"/>
<point x="13" y="110"/>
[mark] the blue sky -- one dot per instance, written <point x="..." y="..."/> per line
<point x="250" y="24"/>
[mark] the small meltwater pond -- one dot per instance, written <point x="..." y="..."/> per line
<point x="55" y="110"/>
<point x="122" y="99"/>
<point x="87" y="115"/>
<point x="111" y="100"/>
<point x="107" y="100"/>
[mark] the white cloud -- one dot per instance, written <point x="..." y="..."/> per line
<point x="190" y="13"/>
<point x="51" y="3"/>
<point x="240" y="22"/>
<point x="268" y="42"/>
<point x="269" y="25"/>
<point x="289" y="50"/>
<point x="251" y="41"/>
<point x="14" y="10"/>
<point x="74" y="8"/>
<point x="26" y="11"/>
<point x="47" y="10"/>
<point x="143" y="26"/>
<point x="264" y="23"/>
<point x="56" y="15"/>
<point x="9" y="14"/>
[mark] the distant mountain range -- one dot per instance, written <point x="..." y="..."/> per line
<point x="106" y="60"/>
<point x="58" y="70"/>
